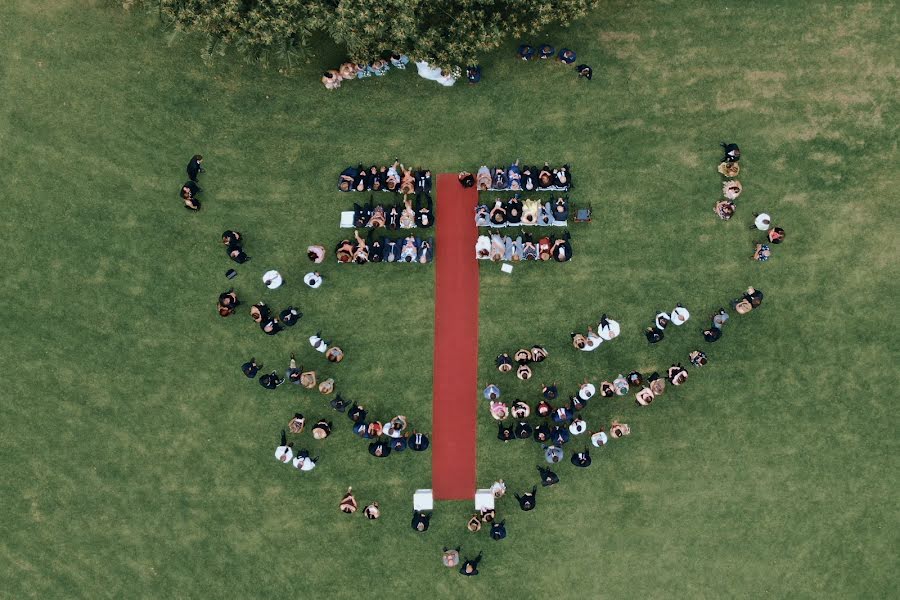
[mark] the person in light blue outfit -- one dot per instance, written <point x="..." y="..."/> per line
<point x="553" y="454"/>
<point x="399" y="60"/>
<point x="364" y="71"/>
<point x="491" y="392"/>
<point x="380" y="67"/>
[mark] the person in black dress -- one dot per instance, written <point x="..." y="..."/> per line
<point x="420" y="521"/>
<point x="195" y="167"/>
<point x="270" y="381"/>
<point x="470" y="567"/>
<point x="585" y="71"/>
<point x="504" y="432"/>
<point x="380" y="449"/>
<point x="712" y="334"/>
<point x="498" y="530"/>
<point x="548" y="477"/>
<point x="523" y="430"/>
<point x="418" y="441"/>
<point x="290" y="316"/>
<point x="654" y="335"/>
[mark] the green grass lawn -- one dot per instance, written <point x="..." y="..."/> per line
<point x="137" y="459"/>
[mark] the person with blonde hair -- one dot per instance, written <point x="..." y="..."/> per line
<point x="331" y="79"/>
<point x="348" y="502"/>
<point x="322" y="429"/>
<point x="297" y="423"/>
<point x="619" y="430"/>
<point x="372" y="511"/>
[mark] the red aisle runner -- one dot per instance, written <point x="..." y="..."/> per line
<point x="455" y="341"/>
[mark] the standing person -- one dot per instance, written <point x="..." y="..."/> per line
<point x="719" y="318"/>
<point x="761" y="222"/>
<point x="585" y="71"/>
<point x="470" y="567"/>
<point x="250" y="369"/>
<point x="348" y="502"/>
<point x="528" y="500"/>
<point x="372" y="511"/>
<point x="195" y="167"/>
<point x="491" y="392"/>
<point x="553" y="454"/>
<point x="498" y="530"/>
<point x="599" y="438"/>
<point x="712" y="334"/>
<point x="582" y="459"/>
<point x="473" y="74"/>
<point x="284" y="452"/>
<point x="303" y="462"/>
<point x="420" y="521"/>
<point x="450" y="557"/>
<point x="270" y="381"/>
<point x="418" y="441"/>
<point x="313" y="279"/>
<point x="548" y="477"/>
<point x="498" y="488"/>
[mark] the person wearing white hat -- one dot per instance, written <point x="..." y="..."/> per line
<point x="680" y="315"/>
<point x="608" y="328"/>
<point x="272" y="279"/>
<point x="313" y="279"/>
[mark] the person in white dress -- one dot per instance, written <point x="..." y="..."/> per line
<point x="662" y="319"/>
<point x="578" y="426"/>
<point x="762" y="222"/>
<point x="427" y="71"/>
<point x="318" y="343"/>
<point x="498" y="488"/>
<point x="599" y="439"/>
<point x="303" y="462"/>
<point x="608" y="328"/>
<point x="587" y="390"/>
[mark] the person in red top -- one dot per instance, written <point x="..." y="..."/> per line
<point x="544" y="248"/>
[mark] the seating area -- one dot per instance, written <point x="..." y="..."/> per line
<point x="406" y="249"/>
<point x="515" y="212"/>
<point x="516" y="177"/>
<point x="406" y="214"/>
<point x="395" y="178"/>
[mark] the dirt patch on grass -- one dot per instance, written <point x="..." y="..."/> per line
<point x="826" y="158"/>
<point x="619" y="36"/>
<point x="764" y="76"/>
<point x="798" y="199"/>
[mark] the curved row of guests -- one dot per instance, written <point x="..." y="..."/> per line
<point x="607" y="329"/>
<point x="517" y="177"/>
<point x="523" y="358"/>
<point x="393" y="436"/>
<point x="270" y="323"/>
<point x="516" y="211"/>
<point x="332" y="78"/>
<point x="402" y="215"/>
<point x="565" y="56"/>
<point x="408" y="249"/>
<point x="523" y="247"/>
<point x="396" y="178"/>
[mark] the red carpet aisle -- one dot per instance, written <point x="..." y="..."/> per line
<point x="455" y="341"/>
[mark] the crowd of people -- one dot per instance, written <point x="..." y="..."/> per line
<point x="524" y="358"/>
<point x="333" y="78"/>
<point x="729" y="168"/>
<point x="565" y="56"/>
<point x="395" y="178"/>
<point x="518" y="177"/>
<point x="528" y="212"/>
<point x="406" y="249"/>
<point x="497" y="247"/>
<point x="406" y="214"/>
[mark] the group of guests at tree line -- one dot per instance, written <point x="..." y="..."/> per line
<point x="332" y="78"/>
<point x="731" y="189"/>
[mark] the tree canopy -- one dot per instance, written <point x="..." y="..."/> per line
<point x="442" y="32"/>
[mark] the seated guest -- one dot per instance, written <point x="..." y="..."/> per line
<point x="424" y="215"/>
<point x="598" y="438"/>
<point x="561" y="250"/>
<point x="618" y="430"/>
<point x="331" y="79"/>
<point x="585" y="71"/>
<point x="503" y="362"/>
<point x="498" y="213"/>
<point x="520" y="410"/>
<point x="548" y="477"/>
<point x="529" y="181"/>
<point x="698" y="358"/>
<point x="293" y="371"/>
<point x="546" y="51"/>
<point x="348" y="70"/>
<point x="334" y="354"/>
<point x="482" y="216"/>
<point x="423" y="181"/>
<point x="297" y="423"/>
<point x="514" y="211"/>
<point x="398" y="60"/>
<point x="483" y="179"/>
<point x="522" y="430"/>
<point x="340" y="404"/>
<point x="561" y="209"/>
<point x="420" y="521"/>
<point x="566" y="56"/>
<point x="514" y="176"/>
<point x="528" y="500"/>
<point x="348" y="179"/>
<point x="545" y="177"/>
<point x="259" y="312"/>
<point x="379" y="179"/>
<point x="426" y="251"/>
<point x="380" y="67"/>
<point x="500" y="180"/>
<point x="530" y="209"/>
<point x="483" y="247"/>
<point x="466" y="179"/>
<point x="230" y="237"/>
<point x="407" y="181"/>
<point x="621" y="385"/>
<point x="377" y="218"/>
<point x="724" y="209"/>
<point x="761" y="253"/>
<point x="418" y="441"/>
<point x="408" y="215"/>
<point x="732" y="152"/>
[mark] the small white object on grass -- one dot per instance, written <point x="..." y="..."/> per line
<point x="423" y="500"/>
<point x="506" y="268"/>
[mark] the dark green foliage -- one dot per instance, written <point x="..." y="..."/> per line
<point x="455" y="32"/>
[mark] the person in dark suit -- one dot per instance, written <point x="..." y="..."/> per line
<point x="498" y="530"/>
<point x="418" y="441"/>
<point x="270" y="381"/>
<point x="528" y="500"/>
<point x="548" y="477"/>
<point x="380" y="449"/>
<point x="585" y="71"/>
<point x="582" y="459"/>
<point x="250" y="369"/>
<point x="195" y="167"/>
<point x="470" y="567"/>
<point x="504" y="432"/>
<point x="357" y="414"/>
